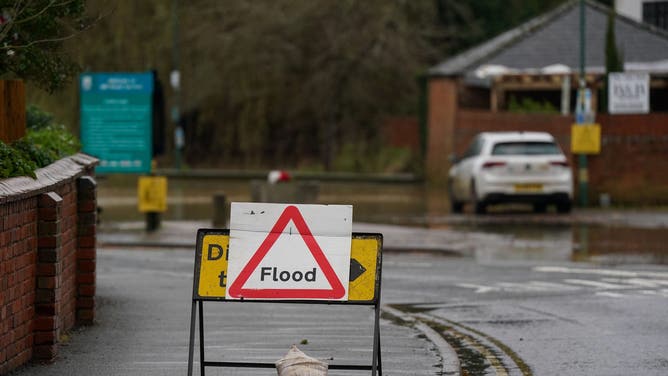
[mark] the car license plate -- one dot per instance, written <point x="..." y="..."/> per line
<point x="528" y="187"/>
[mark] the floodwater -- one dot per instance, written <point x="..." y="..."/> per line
<point x="524" y="235"/>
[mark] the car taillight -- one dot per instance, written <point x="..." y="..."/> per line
<point x="559" y="163"/>
<point x="493" y="164"/>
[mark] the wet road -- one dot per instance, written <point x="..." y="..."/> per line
<point x="538" y="318"/>
<point x="502" y="317"/>
<point x="143" y="317"/>
<point x="584" y="293"/>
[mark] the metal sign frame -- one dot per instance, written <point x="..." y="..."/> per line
<point x="197" y="311"/>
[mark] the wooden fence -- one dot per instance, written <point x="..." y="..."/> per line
<point x="12" y="110"/>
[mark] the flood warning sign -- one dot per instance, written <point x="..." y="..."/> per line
<point x="279" y="251"/>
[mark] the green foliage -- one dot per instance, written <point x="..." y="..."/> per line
<point x="357" y="158"/>
<point x="530" y="105"/>
<point x="613" y="58"/>
<point x="467" y="23"/>
<point x="55" y="140"/>
<point x="43" y="144"/>
<point x="13" y="162"/>
<point x="31" y="39"/>
<point x="38" y="154"/>
<point x="37" y="118"/>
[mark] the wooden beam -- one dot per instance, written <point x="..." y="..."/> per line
<point x="12" y="110"/>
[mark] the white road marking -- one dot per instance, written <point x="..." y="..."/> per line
<point x="639" y="282"/>
<point x="519" y="287"/>
<point x="605" y="272"/>
<point x="610" y="294"/>
<point x="597" y="284"/>
<point x="479" y="289"/>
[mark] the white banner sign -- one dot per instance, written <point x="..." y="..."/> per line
<point x="628" y="93"/>
<point x="280" y="251"/>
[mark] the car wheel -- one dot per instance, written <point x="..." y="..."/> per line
<point x="479" y="206"/>
<point x="540" y="207"/>
<point x="564" y="207"/>
<point x="455" y="205"/>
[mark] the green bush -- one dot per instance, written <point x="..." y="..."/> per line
<point x="43" y="144"/>
<point x="529" y="105"/>
<point x="55" y="139"/>
<point x="354" y="158"/>
<point x="13" y="162"/>
<point x="37" y="119"/>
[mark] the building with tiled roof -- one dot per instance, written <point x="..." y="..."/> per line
<point x="535" y="57"/>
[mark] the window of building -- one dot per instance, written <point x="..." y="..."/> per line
<point x="656" y="13"/>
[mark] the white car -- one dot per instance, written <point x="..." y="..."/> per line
<point x="500" y="167"/>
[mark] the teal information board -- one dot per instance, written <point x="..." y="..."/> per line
<point x="116" y="120"/>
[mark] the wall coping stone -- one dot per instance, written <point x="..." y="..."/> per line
<point x="72" y="167"/>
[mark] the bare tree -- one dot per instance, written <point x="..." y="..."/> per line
<point x="300" y="77"/>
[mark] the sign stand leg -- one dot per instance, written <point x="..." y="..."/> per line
<point x="191" y="347"/>
<point x="380" y="364"/>
<point x="201" y="337"/>
<point x="375" y="362"/>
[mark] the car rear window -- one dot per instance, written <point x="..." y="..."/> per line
<point x="526" y="148"/>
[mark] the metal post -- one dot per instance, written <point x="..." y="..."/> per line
<point x="152" y="218"/>
<point x="175" y="78"/>
<point x="219" y="210"/>
<point x="583" y="173"/>
<point x="201" y="337"/>
<point x="191" y="347"/>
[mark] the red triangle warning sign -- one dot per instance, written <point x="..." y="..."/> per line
<point x="238" y="290"/>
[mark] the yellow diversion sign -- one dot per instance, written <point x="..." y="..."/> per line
<point x="213" y="253"/>
<point x="152" y="194"/>
<point x="586" y="138"/>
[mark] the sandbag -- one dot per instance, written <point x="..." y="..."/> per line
<point x="296" y="363"/>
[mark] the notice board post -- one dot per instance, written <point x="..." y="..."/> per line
<point x="116" y="114"/>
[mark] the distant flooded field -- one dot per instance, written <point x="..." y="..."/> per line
<point x="548" y="236"/>
<point x="192" y="199"/>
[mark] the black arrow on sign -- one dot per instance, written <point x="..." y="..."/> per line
<point x="356" y="269"/>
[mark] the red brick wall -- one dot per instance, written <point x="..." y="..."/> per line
<point x="68" y="260"/>
<point x="634" y="151"/>
<point x="47" y="264"/>
<point x="18" y="241"/>
<point x="403" y="132"/>
<point x="441" y="123"/>
<point x="633" y="165"/>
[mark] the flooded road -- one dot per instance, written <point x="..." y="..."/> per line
<point x="602" y="236"/>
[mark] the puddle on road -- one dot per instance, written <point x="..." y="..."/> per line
<point x="620" y="245"/>
<point x="581" y="243"/>
<point x="553" y="239"/>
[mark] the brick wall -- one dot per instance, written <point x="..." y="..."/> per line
<point x="47" y="259"/>
<point x="18" y="243"/>
<point x="402" y="132"/>
<point x="441" y="123"/>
